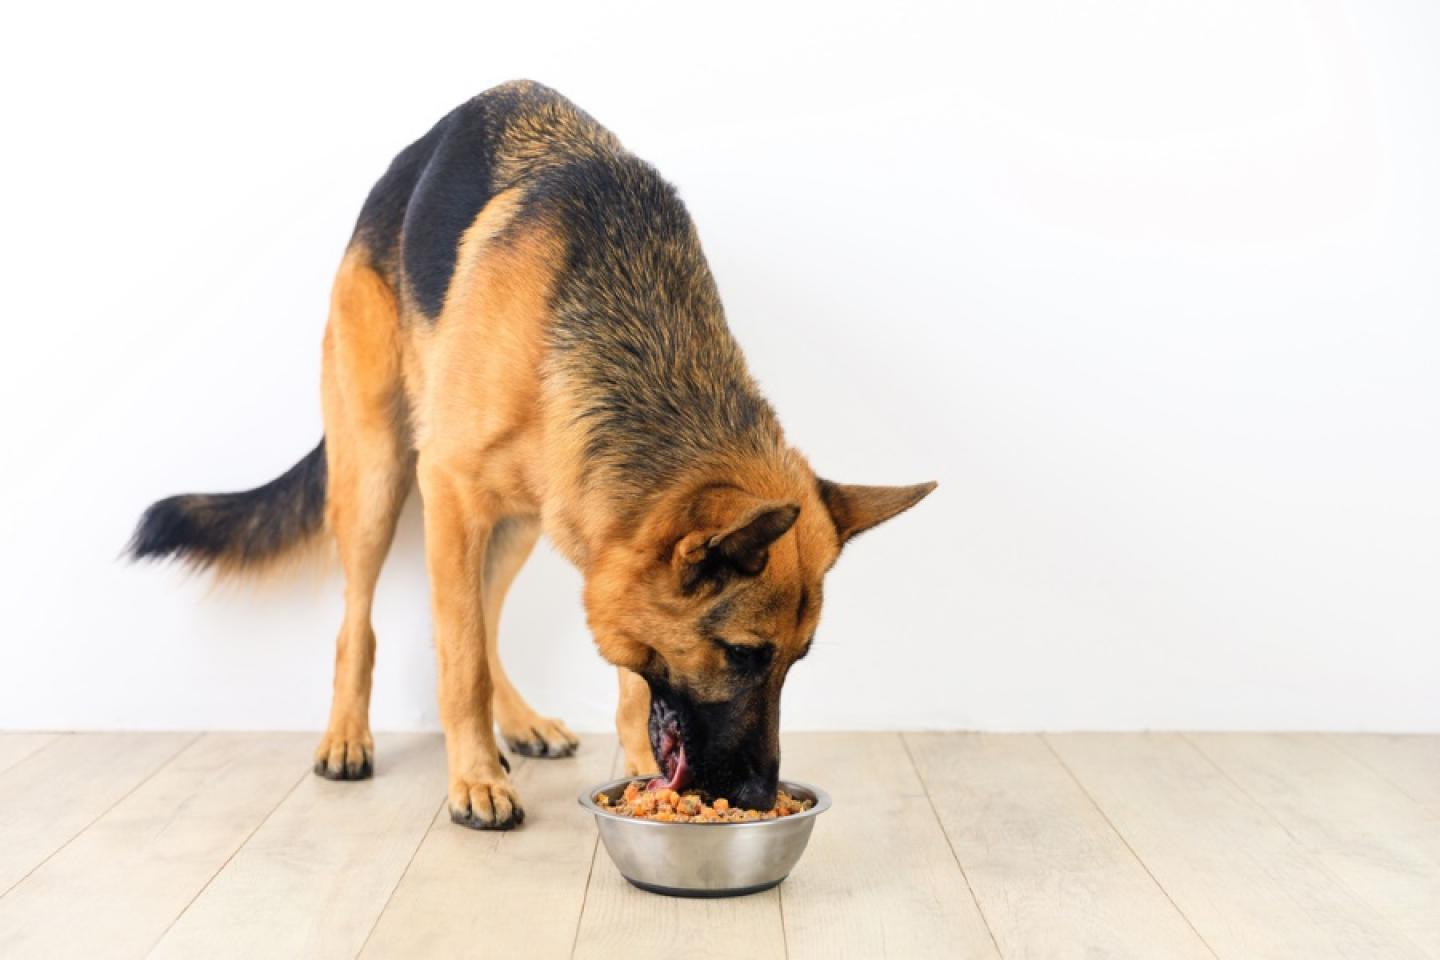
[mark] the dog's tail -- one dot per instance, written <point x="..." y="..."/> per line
<point x="237" y="532"/>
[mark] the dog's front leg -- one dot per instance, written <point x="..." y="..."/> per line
<point x="632" y="723"/>
<point x="458" y="518"/>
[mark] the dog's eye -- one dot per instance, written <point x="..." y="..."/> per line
<point x="747" y="658"/>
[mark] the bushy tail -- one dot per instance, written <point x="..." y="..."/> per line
<point x="237" y="532"/>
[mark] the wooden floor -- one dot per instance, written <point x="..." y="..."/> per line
<point x="938" y="845"/>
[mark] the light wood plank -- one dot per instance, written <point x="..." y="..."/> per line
<point x="1409" y="761"/>
<point x="621" y="920"/>
<point x="313" y="879"/>
<point x="878" y="877"/>
<point x="1051" y="876"/>
<point x="517" y="893"/>
<point x="116" y="887"/>
<point x="1367" y="832"/>
<point x="49" y="798"/>
<point x="1244" y="883"/>
<point x="15" y="747"/>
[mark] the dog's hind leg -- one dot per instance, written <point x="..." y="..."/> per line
<point x="369" y="470"/>
<point x="523" y="730"/>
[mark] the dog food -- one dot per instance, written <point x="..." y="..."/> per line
<point x="668" y="806"/>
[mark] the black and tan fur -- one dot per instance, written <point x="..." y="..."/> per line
<point x="524" y="323"/>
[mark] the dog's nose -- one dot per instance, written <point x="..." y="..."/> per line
<point x="755" y="795"/>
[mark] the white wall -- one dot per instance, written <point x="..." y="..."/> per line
<point x="1150" y="287"/>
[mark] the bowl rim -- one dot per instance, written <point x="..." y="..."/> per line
<point x="587" y="800"/>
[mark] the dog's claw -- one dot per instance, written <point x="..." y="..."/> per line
<point x="341" y="759"/>
<point x="485" y="806"/>
<point x="543" y="738"/>
<point x="476" y="823"/>
<point x="351" y="771"/>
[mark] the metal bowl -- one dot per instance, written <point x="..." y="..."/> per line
<point x="705" y="859"/>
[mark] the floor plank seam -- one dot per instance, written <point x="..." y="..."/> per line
<point x="1245" y="793"/>
<point x="784" y="934"/>
<point x="594" y="853"/>
<point x="1330" y="740"/>
<point x="1302" y="848"/>
<point x="934" y="812"/>
<point x="584" y="898"/>
<point x="96" y="819"/>
<point x="54" y="739"/>
<point x="233" y="854"/>
<point x="1045" y="739"/>
<point x="401" y="879"/>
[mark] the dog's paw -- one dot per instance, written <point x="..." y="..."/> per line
<point x="540" y="737"/>
<point x="485" y="805"/>
<point x="345" y="758"/>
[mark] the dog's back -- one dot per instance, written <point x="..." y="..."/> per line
<point x="634" y="318"/>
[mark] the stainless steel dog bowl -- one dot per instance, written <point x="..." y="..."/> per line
<point x="705" y="859"/>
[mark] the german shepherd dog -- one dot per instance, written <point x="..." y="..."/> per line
<point x="523" y="321"/>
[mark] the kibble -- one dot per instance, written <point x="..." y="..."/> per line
<point x="667" y="806"/>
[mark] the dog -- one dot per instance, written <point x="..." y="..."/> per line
<point x="524" y="325"/>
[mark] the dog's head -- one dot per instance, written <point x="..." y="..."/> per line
<point x="712" y="600"/>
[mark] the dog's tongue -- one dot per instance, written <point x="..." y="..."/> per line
<point x="672" y="756"/>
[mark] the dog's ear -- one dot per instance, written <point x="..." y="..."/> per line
<point x="856" y="509"/>
<point x="741" y="545"/>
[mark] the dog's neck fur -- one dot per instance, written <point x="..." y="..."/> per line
<point x="656" y="387"/>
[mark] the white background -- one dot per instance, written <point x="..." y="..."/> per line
<point x="1149" y="287"/>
